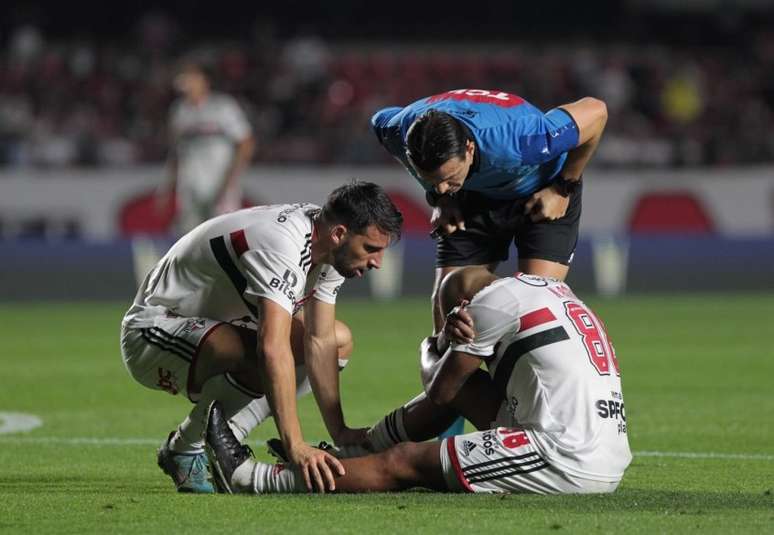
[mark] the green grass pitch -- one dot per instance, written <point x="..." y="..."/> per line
<point x="698" y="376"/>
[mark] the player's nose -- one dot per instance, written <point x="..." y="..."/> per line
<point x="375" y="262"/>
<point x="441" y="188"/>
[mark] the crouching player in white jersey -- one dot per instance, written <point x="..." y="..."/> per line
<point x="550" y="411"/>
<point x="219" y="318"/>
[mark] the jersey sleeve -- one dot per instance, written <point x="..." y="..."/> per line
<point x="235" y="124"/>
<point x="531" y="137"/>
<point x="491" y="324"/>
<point x="272" y="275"/>
<point x="388" y="131"/>
<point x="380" y="125"/>
<point x="543" y="137"/>
<point x="327" y="285"/>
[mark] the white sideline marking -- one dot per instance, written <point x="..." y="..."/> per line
<point x="16" y="422"/>
<point x="108" y="441"/>
<point x="93" y="441"/>
<point x="693" y="455"/>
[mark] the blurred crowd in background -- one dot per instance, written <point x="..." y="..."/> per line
<point x="74" y="102"/>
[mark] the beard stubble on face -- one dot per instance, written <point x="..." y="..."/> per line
<point x="343" y="262"/>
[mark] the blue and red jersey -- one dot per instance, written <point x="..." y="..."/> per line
<point x="520" y="148"/>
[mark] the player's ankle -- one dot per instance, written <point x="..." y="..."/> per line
<point x="388" y="432"/>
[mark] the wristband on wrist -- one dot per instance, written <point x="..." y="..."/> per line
<point x="566" y="187"/>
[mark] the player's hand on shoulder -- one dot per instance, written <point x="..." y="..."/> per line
<point x="318" y="467"/>
<point x="458" y="326"/>
<point x="546" y="204"/>
<point x="447" y="216"/>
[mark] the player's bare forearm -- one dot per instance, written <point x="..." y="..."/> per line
<point x="590" y="115"/>
<point x="321" y="354"/>
<point x="279" y="369"/>
<point x="428" y="360"/>
<point x="449" y="375"/>
<point x="321" y="359"/>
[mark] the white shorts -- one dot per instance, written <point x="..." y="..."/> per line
<point x="163" y="356"/>
<point x="503" y="460"/>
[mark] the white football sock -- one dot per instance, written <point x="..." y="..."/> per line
<point x="232" y="396"/>
<point x="245" y="409"/>
<point x="263" y="478"/>
<point x="388" y="432"/>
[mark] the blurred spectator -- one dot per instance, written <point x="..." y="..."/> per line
<point x="212" y="143"/>
<point x="80" y="103"/>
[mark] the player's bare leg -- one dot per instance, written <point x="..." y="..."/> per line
<point x="231" y="349"/>
<point x="478" y="400"/>
<point x="227" y="370"/>
<point x="404" y="466"/>
<point x="543" y="268"/>
<point x="234" y="470"/>
<point x="421" y="419"/>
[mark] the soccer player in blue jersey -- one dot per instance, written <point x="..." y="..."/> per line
<point x="496" y="169"/>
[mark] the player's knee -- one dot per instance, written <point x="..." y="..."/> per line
<point x="344" y="340"/>
<point x="224" y="350"/>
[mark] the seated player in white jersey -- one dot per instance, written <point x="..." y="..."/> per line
<point x="550" y="410"/>
<point x="219" y="318"/>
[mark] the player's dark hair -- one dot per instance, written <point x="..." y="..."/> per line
<point x="358" y="205"/>
<point x="434" y="138"/>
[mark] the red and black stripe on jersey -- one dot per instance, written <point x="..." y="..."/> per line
<point x="226" y="263"/>
<point x="522" y="346"/>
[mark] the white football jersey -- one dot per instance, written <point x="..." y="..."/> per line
<point x="551" y="358"/>
<point x="224" y="266"/>
<point x="205" y="138"/>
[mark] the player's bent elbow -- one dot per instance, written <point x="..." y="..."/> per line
<point x="598" y="108"/>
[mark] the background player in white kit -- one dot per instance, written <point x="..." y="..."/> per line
<point x="219" y="318"/>
<point x="550" y="412"/>
<point x="211" y="144"/>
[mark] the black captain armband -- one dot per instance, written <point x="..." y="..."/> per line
<point x="566" y="187"/>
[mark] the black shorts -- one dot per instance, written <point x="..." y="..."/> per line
<point x="491" y="224"/>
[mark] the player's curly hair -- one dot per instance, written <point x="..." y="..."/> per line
<point x="434" y="138"/>
<point x="358" y="205"/>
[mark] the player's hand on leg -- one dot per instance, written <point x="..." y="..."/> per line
<point x="317" y="467"/>
<point x="447" y="217"/>
<point x="458" y="326"/>
<point x="546" y="204"/>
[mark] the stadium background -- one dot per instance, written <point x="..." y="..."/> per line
<point x="678" y="206"/>
<point x="683" y="179"/>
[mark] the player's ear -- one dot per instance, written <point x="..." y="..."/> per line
<point x="338" y="234"/>
<point x="470" y="148"/>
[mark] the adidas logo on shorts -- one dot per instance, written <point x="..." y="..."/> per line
<point x="467" y="447"/>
